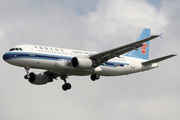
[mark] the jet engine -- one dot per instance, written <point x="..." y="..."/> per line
<point x="81" y="62"/>
<point x="39" y="79"/>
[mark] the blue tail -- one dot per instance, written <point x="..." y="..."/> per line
<point x="143" y="52"/>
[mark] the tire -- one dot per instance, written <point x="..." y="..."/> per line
<point x="25" y="77"/>
<point x="93" y="77"/>
<point x="64" y="87"/>
<point x="97" y="76"/>
<point x="68" y="85"/>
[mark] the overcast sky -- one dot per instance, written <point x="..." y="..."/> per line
<point x="93" y="25"/>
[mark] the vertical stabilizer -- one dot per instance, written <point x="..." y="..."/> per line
<point x="143" y="51"/>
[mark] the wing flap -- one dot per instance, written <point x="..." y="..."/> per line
<point x="157" y="60"/>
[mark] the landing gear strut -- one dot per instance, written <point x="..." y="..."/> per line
<point x="27" y="76"/>
<point x="66" y="86"/>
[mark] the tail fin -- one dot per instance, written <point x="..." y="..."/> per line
<point x="143" y="51"/>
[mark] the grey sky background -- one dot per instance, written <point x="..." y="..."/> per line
<point x="93" y="25"/>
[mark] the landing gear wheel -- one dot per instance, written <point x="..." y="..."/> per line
<point x="66" y="86"/>
<point x="95" y="77"/>
<point x="26" y="76"/>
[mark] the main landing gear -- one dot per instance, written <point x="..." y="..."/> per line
<point x="27" y="72"/>
<point x="95" y="76"/>
<point x="65" y="86"/>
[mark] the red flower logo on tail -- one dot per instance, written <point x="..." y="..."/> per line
<point x="143" y="48"/>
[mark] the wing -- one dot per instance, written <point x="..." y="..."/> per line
<point x="103" y="57"/>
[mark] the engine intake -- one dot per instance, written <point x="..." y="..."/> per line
<point x="81" y="62"/>
<point x="38" y="79"/>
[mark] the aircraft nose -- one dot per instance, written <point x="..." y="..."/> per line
<point x="9" y="58"/>
<point x="5" y="57"/>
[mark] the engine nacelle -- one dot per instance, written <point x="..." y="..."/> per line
<point x="81" y="62"/>
<point x="38" y="79"/>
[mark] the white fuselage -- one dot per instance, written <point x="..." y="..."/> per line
<point x="58" y="60"/>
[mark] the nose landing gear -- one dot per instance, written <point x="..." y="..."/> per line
<point x="27" y="76"/>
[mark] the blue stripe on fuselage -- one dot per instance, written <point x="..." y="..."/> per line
<point x="16" y="55"/>
<point x="30" y="55"/>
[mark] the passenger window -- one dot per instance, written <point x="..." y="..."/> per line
<point x="46" y="48"/>
<point x="20" y="49"/>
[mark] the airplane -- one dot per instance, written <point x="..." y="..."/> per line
<point x="61" y="62"/>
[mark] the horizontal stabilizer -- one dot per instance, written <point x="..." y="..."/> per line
<point x="157" y="60"/>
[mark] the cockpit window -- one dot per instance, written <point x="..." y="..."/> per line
<point x="12" y="49"/>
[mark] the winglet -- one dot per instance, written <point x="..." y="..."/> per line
<point x="160" y="35"/>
